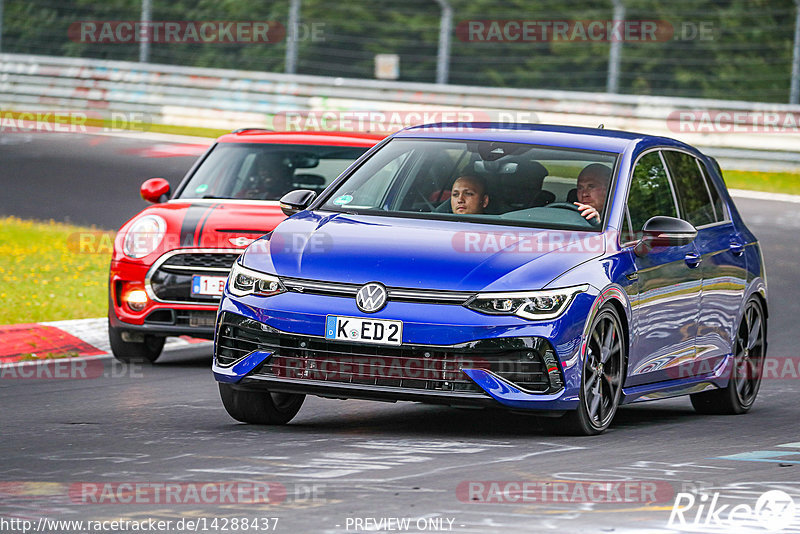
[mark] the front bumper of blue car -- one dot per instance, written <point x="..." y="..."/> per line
<point x="469" y="360"/>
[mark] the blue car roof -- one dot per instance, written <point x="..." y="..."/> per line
<point x="541" y="134"/>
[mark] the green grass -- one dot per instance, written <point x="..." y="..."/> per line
<point x="186" y="130"/>
<point x="195" y="131"/>
<point x="772" y="182"/>
<point x="46" y="276"/>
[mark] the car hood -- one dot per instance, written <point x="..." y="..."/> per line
<point x="230" y="223"/>
<point x="209" y="224"/>
<point x="419" y="253"/>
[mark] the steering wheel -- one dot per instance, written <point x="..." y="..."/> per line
<point x="572" y="207"/>
<point x="254" y="193"/>
<point x="563" y="206"/>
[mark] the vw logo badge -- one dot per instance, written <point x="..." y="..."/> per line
<point x="371" y="297"/>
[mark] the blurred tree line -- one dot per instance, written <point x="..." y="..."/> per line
<point x="729" y="49"/>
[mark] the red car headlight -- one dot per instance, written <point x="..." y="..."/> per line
<point x="144" y="236"/>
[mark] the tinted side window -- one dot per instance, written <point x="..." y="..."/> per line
<point x="626" y="235"/>
<point x="690" y="185"/>
<point x="650" y="193"/>
<point x="716" y="200"/>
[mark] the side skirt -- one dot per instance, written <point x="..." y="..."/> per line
<point x="680" y="386"/>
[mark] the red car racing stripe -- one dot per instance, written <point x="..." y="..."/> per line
<point x="195" y="213"/>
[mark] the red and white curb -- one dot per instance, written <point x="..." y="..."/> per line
<point x="84" y="337"/>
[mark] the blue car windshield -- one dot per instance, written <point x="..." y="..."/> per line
<point x="480" y="181"/>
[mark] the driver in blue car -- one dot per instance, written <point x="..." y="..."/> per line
<point x="593" y="183"/>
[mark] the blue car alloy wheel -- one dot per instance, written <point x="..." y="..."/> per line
<point x="558" y="271"/>
<point x="603" y="367"/>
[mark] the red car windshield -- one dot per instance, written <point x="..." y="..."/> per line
<point x="261" y="171"/>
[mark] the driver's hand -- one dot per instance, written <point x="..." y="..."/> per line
<point x="588" y="212"/>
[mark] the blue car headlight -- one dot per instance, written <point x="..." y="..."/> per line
<point x="243" y="281"/>
<point x="534" y="305"/>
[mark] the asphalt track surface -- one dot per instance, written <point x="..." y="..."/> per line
<point x="341" y="462"/>
<point x="82" y="179"/>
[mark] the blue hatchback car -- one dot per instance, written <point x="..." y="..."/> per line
<point x="557" y="270"/>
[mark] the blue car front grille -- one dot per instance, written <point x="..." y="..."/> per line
<point x="527" y="362"/>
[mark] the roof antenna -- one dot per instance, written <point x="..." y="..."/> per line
<point x="600" y="127"/>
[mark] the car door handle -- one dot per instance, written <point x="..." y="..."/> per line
<point x="692" y="259"/>
<point x="737" y="248"/>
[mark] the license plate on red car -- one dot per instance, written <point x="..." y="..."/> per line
<point x="208" y="285"/>
<point x="383" y="331"/>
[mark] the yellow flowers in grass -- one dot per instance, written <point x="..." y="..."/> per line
<point x="44" y="277"/>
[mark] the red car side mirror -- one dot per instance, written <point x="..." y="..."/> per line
<point x="155" y="190"/>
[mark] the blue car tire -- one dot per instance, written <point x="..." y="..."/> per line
<point x="260" y="407"/>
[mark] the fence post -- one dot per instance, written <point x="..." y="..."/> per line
<point x="615" y="51"/>
<point x="445" y="27"/>
<point x="1" y="25"/>
<point x="794" y="91"/>
<point x="145" y="33"/>
<point x="291" y="37"/>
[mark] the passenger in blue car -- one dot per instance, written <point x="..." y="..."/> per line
<point x="593" y="183"/>
<point x="468" y="195"/>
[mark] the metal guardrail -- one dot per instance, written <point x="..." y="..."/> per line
<point x="230" y="99"/>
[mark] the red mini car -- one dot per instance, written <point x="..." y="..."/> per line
<point x="171" y="261"/>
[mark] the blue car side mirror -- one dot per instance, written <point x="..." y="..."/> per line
<point x="296" y="201"/>
<point x="663" y="231"/>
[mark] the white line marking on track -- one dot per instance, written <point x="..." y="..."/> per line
<point x="763" y="195"/>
